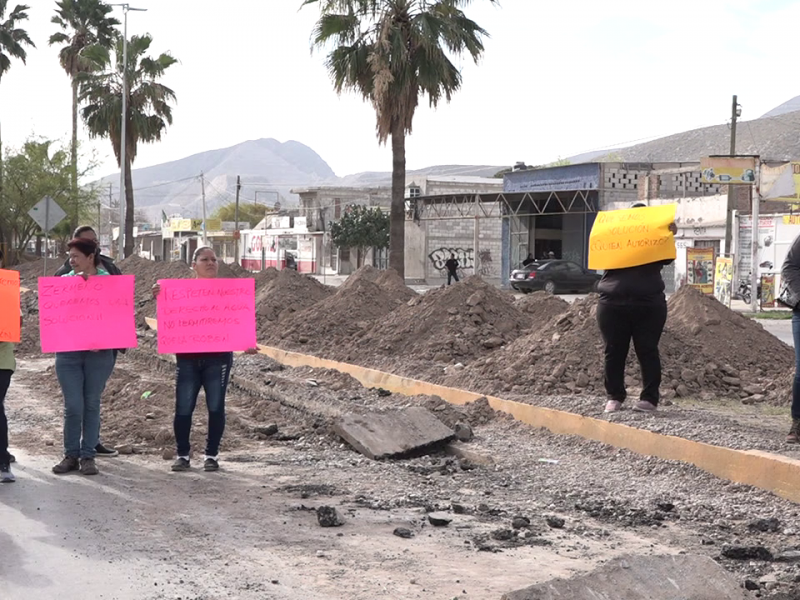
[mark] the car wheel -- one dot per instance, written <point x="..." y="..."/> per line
<point x="550" y="287"/>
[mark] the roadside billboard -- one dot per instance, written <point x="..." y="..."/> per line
<point x="728" y="170"/>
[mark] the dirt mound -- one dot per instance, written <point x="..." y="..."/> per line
<point x="365" y="273"/>
<point x="32" y="268"/>
<point x="227" y="271"/>
<point x="449" y="325"/>
<point x="566" y="356"/>
<point x="333" y="326"/>
<point x="239" y="271"/>
<point x="265" y="277"/>
<point x="394" y="285"/>
<point x="731" y="338"/>
<point x="148" y="272"/>
<point x="542" y="307"/>
<point x="30" y="344"/>
<point x="286" y="293"/>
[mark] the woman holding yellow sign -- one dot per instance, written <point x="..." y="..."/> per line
<point x="632" y="304"/>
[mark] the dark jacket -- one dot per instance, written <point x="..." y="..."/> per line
<point x="790" y="275"/>
<point x="106" y="261"/>
<point x="633" y="286"/>
<point x="451" y="264"/>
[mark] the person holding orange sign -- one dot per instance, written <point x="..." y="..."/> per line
<point x="633" y="307"/>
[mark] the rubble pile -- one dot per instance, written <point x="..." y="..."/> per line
<point x="454" y="324"/>
<point x="394" y="285"/>
<point x="148" y="272"/>
<point x="281" y="294"/>
<point x="29" y="336"/>
<point x="32" y="268"/>
<point x="566" y="356"/>
<point x="333" y="326"/>
<point x="542" y="307"/>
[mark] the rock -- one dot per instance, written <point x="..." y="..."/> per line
<point x="493" y="342"/>
<point x="441" y="357"/>
<point x="267" y="430"/>
<point x="458" y="366"/>
<point x="732" y="381"/>
<point x="125" y="449"/>
<point x="682" y="391"/>
<point x="51" y="442"/>
<point x="302" y="339"/>
<point x="520" y="522"/>
<point x="555" y="522"/>
<point x="730" y="371"/>
<point x="559" y="371"/>
<point x="788" y="556"/>
<point x="753" y="389"/>
<point x="312" y="382"/>
<point x="438" y="520"/>
<point x="168" y="454"/>
<point x="751" y="585"/>
<point x="450" y="311"/>
<point x="404" y="533"/>
<point x="458" y="509"/>
<point x="747" y="553"/>
<point x="384" y="393"/>
<point x="328" y="517"/>
<point x="502" y="535"/>
<point x="476" y="298"/>
<point x="755" y="399"/>
<point x="582" y="380"/>
<point x="163" y="436"/>
<point x="463" y="432"/>
<point x="665" y="506"/>
<point x="771" y="525"/>
<point x="688" y="375"/>
<point x="150" y="416"/>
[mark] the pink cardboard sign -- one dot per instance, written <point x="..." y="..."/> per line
<point x="206" y="315"/>
<point x="76" y="314"/>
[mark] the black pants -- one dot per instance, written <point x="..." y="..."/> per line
<point x="642" y="324"/>
<point x="5" y="381"/>
<point x="452" y="275"/>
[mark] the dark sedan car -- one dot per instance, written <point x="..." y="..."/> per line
<point x="554" y="277"/>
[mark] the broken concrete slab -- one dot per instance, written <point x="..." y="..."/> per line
<point x="393" y="434"/>
<point x="682" y="577"/>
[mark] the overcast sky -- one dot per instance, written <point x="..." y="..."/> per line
<point x="557" y="79"/>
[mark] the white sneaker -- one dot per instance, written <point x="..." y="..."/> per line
<point x="6" y="476"/>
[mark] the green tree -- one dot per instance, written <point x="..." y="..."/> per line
<point x="83" y="23"/>
<point x="12" y="45"/>
<point x="249" y="214"/>
<point x="361" y="227"/>
<point x="148" y="109"/>
<point x="38" y="169"/>
<point x="392" y="52"/>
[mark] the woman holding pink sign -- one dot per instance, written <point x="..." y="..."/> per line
<point x="82" y="376"/>
<point x="209" y="371"/>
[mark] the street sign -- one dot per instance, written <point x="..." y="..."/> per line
<point x="47" y="214"/>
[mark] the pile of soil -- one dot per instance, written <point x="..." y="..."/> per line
<point x="333" y="326"/>
<point x="30" y="344"/>
<point x="32" y="268"/>
<point x="566" y="356"/>
<point x="148" y="272"/>
<point x="542" y="307"/>
<point x="284" y="293"/>
<point x="394" y="285"/>
<point x="448" y="325"/>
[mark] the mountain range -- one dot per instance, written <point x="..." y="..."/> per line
<point x="269" y="170"/>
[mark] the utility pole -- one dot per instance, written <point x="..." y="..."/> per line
<point x="203" y="187"/>
<point x="123" y="127"/>
<point x="236" y="218"/>
<point x="755" y="278"/>
<point x="736" y="112"/>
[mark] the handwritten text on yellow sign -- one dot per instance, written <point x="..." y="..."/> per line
<point x="632" y="237"/>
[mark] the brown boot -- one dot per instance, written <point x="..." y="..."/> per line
<point x="89" y="467"/>
<point x="69" y="463"/>
<point x="794" y="432"/>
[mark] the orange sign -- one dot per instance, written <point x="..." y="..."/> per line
<point x="9" y="306"/>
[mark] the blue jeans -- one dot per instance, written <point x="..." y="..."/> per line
<point x="796" y="384"/>
<point x="83" y="377"/>
<point x="211" y="373"/>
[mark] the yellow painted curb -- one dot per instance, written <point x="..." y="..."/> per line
<point x="772" y="472"/>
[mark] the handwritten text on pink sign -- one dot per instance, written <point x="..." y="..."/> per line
<point x="76" y="314"/>
<point x="206" y="315"/>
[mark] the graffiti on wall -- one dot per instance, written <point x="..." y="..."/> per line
<point x="465" y="258"/>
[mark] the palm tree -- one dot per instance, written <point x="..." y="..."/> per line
<point x="392" y="52"/>
<point x="83" y="23"/>
<point x="12" y="45"/>
<point x="148" y="110"/>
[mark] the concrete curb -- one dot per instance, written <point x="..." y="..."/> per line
<point x="771" y="472"/>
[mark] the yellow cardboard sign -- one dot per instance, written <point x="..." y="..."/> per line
<point x="632" y="237"/>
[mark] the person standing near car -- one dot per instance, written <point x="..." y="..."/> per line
<point x="790" y="296"/>
<point x="632" y="307"/>
<point x="86" y="232"/>
<point x="529" y="260"/>
<point x="451" y="264"/>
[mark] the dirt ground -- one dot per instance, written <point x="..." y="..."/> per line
<point x="251" y="530"/>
